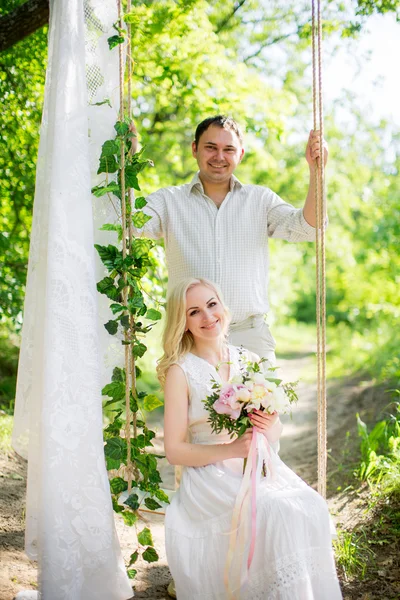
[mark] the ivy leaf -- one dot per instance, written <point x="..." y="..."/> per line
<point x="152" y="504"/>
<point x="139" y="219"/>
<point x="141" y="247"/>
<point x="140" y="202"/>
<point x="121" y="128"/>
<point x="124" y="320"/>
<point x="132" y="501"/>
<point x="109" y="148"/>
<point x="106" y="101"/>
<point x="139" y="349"/>
<point x="161" y="495"/>
<point x="145" y="538"/>
<point x="129" y="517"/>
<point x="106" y="286"/>
<point x="131" y="179"/>
<point x="118" y="374"/>
<point x="116" y="308"/>
<point x="107" y="164"/>
<point x="115" y="449"/>
<point x="150" y="555"/>
<point x="116" y="507"/>
<point x="115" y="40"/>
<point x="110" y="256"/>
<point x="133" y="558"/>
<point x="151" y="402"/>
<point x="101" y="190"/>
<point x="153" y="315"/>
<point x="118" y="485"/>
<point x="115" y="390"/>
<point x="112" y="327"/>
<point x="131" y="573"/>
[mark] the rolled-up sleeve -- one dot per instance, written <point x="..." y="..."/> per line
<point x="287" y="222"/>
<point x="156" y="209"/>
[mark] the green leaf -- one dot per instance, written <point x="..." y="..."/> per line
<point x="139" y="349"/>
<point x="150" y="555"/>
<point x="110" y="227"/>
<point x="145" y="538"/>
<point x="110" y="256"/>
<point x="153" y="315"/>
<point x="106" y="286"/>
<point x="101" y="190"/>
<point x="118" y="485"/>
<point x="152" y="504"/>
<point x="109" y="148"/>
<point x="116" y="308"/>
<point x="107" y="164"/>
<point x="115" y="390"/>
<point x="131" y="180"/>
<point x="131" y="573"/>
<point x="139" y="219"/>
<point x="141" y="247"/>
<point x="116" y="507"/>
<point x="132" y="501"/>
<point x="161" y="495"/>
<point x="115" y="449"/>
<point x="151" y="402"/>
<point x="115" y="40"/>
<point x="121" y="128"/>
<point x="112" y="327"/>
<point x="133" y="558"/>
<point x="118" y="374"/>
<point x="140" y="202"/>
<point x="129" y="517"/>
<point x="106" y="101"/>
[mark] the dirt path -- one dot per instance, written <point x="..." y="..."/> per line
<point x="298" y="450"/>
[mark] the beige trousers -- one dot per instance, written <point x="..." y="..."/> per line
<point x="254" y="335"/>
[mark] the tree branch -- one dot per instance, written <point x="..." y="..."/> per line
<point x="23" y="21"/>
<point x="225" y="21"/>
<point x="275" y="40"/>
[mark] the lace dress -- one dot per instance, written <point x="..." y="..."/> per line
<point x="293" y="558"/>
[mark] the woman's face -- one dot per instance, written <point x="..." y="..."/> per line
<point x="204" y="313"/>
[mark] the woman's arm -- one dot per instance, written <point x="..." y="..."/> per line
<point x="177" y="450"/>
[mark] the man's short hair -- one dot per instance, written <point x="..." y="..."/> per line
<point x="220" y="121"/>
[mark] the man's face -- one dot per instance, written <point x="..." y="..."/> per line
<point x="218" y="153"/>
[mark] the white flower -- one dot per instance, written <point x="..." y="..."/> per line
<point x="258" y="378"/>
<point x="242" y="393"/>
<point x="249" y="385"/>
<point x="236" y="379"/>
<point x="254" y="404"/>
<point x="280" y="400"/>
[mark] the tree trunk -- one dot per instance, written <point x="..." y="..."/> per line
<point x="23" y="21"/>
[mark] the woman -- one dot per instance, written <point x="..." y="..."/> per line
<point x="293" y="557"/>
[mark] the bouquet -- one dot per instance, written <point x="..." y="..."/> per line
<point x="231" y="402"/>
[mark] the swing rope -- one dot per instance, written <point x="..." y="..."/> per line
<point x="126" y="212"/>
<point x="320" y="261"/>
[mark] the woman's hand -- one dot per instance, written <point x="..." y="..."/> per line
<point x="241" y="446"/>
<point x="262" y="420"/>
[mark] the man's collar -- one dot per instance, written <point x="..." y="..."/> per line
<point x="196" y="182"/>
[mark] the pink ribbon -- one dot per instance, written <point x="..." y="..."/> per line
<point x="234" y="580"/>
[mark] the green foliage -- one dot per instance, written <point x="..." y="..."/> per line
<point x="352" y="553"/>
<point x="380" y="452"/>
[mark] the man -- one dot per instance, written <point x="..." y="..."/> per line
<point x="218" y="228"/>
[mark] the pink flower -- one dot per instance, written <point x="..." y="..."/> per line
<point x="227" y="403"/>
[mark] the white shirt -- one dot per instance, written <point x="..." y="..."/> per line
<point x="229" y="245"/>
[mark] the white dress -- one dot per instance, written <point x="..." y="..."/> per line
<point x="293" y="558"/>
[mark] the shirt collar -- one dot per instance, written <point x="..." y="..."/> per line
<point x="196" y="183"/>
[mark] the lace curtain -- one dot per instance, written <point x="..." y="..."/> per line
<point x="58" y="418"/>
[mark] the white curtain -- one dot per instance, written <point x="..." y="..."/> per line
<point x="58" y="420"/>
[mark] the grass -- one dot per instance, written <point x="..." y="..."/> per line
<point x="6" y="425"/>
<point x="353" y="554"/>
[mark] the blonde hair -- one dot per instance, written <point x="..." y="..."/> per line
<point x="176" y="340"/>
